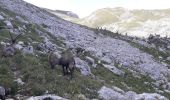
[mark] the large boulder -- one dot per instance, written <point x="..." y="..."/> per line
<point x="2" y="93"/>
<point x="109" y="94"/>
<point x="91" y="61"/>
<point x="8" y="51"/>
<point x="28" y="50"/>
<point x="46" y="97"/>
<point x="83" y="66"/>
<point x="106" y="93"/>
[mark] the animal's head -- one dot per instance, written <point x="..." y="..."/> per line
<point x="54" y="59"/>
<point x="72" y="64"/>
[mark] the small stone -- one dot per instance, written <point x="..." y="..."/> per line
<point x="8" y="51"/>
<point x="1" y="17"/>
<point x="168" y="59"/>
<point x="90" y="60"/>
<point x="28" y="50"/>
<point x="9" y="24"/>
<point x="19" y="81"/>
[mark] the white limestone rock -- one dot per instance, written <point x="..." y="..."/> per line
<point x="83" y="66"/>
<point x="2" y="91"/>
<point x="19" y="81"/>
<point x="1" y="17"/>
<point x="9" y="24"/>
<point x="28" y="50"/>
<point x="114" y="70"/>
<point x="50" y="97"/>
<point x="111" y="94"/>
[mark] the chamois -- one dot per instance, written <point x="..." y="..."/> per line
<point x="66" y="60"/>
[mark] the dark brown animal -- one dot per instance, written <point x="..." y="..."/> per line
<point x="66" y="60"/>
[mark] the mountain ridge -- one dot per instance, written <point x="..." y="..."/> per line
<point x="135" y="22"/>
<point x="111" y="64"/>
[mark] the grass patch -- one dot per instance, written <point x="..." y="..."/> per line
<point x="111" y="79"/>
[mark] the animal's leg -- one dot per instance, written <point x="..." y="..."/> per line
<point x="52" y="66"/>
<point x="67" y="70"/>
<point x="64" y="73"/>
<point x="2" y="97"/>
<point x="71" y="72"/>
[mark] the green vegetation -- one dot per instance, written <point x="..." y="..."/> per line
<point x="35" y="71"/>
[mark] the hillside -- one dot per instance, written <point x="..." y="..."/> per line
<point x="140" y="23"/>
<point x="111" y="66"/>
<point x="67" y="15"/>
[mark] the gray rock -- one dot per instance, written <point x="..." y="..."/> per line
<point x="1" y="17"/>
<point x="9" y="24"/>
<point x="110" y="94"/>
<point x="106" y="59"/>
<point x="41" y="47"/>
<point x="51" y="97"/>
<point x="48" y="45"/>
<point x="82" y="97"/>
<point x="8" y="51"/>
<point x="168" y="86"/>
<point x="19" y="81"/>
<point x="2" y="92"/>
<point x="90" y="60"/>
<point x="83" y="66"/>
<point x="115" y="70"/>
<point x="21" y="19"/>
<point x="130" y="95"/>
<point x="28" y="50"/>
<point x="149" y="96"/>
<point x="168" y="59"/>
<point x="126" y="64"/>
<point x="18" y="46"/>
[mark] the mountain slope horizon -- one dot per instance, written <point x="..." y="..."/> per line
<point x="109" y="65"/>
<point x="135" y="22"/>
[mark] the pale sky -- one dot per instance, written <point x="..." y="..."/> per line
<point x="85" y="7"/>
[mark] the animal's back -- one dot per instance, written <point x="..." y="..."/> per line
<point x="66" y="58"/>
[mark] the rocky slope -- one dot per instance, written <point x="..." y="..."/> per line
<point x="109" y="61"/>
<point x="62" y="13"/>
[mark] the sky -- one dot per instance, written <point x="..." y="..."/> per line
<point x="85" y="7"/>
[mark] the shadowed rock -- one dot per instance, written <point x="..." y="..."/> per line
<point x="2" y="93"/>
<point x="8" y="51"/>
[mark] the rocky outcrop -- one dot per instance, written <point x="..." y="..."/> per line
<point x="2" y="93"/>
<point x="9" y="24"/>
<point x="91" y="61"/>
<point x="28" y="50"/>
<point x="111" y="94"/>
<point x="114" y="70"/>
<point x="46" y="97"/>
<point x="83" y="66"/>
<point x="8" y="51"/>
